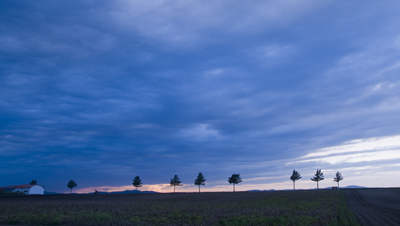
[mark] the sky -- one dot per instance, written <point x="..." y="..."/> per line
<point x="102" y="91"/>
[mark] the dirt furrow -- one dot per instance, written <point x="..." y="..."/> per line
<point x="369" y="216"/>
<point x="367" y="212"/>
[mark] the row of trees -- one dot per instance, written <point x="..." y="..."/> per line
<point x="200" y="180"/>
<point x="318" y="176"/>
<point x="234" y="179"/>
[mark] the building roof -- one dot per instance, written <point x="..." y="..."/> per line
<point x="23" y="186"/>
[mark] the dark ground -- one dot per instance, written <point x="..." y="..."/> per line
<point x="375" y="206"/>
<point x="84" y="198"/>
<point x="300" y="208"/>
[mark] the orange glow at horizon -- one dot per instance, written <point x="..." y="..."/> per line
<point x="166" y="188"/>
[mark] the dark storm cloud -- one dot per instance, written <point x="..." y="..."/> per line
<point x="102" y="91"/>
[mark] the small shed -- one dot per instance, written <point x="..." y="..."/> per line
<point x="28" y="189"/>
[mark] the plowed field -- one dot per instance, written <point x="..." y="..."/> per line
<point x="375" y="206"/>
<point x="300" y="208"/>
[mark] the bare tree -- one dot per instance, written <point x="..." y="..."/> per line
<point x="318" y="176"/>
<point x="235" y="179"/>
<point x="295" y="176"/>
<point x="338" y="178"/>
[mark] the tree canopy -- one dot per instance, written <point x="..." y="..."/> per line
<point x="234" y="179"/>
<point x="295" y="176"/>
<point x="175" y="181"/>
<point x="33" y="182"/>
<point x="71" y="184"/>
<point x="338" y="178"/>
<point x="137" y="182"/>
<point x="318" y="176"/>
<point x="200" y="180"/>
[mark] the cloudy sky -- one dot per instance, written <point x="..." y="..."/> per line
<point x="101" y="91"/>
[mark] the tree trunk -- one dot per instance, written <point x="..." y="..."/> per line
<point x="174" y="188"/>
<point x="294" y="187"/>
<point x="233" y="187"/>
<point x="338" y="184"/>
<point x="317" y="185"/>
<point x="199" y="188"/>
<point x="136" y="190"/>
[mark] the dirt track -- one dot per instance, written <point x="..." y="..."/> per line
<point x="375" y="206"/>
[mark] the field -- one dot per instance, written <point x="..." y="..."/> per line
<point x="375" y="206"/>
<point x="312" y="207"/>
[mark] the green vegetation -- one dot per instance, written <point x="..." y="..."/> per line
<point x="12" y="194"/>
<point x="346" y="217"/>
<point x="324" y="207"/>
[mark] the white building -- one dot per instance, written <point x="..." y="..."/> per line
<point x="28" y="189"/>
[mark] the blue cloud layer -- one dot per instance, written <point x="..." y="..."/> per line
<point x="100" y="92"/>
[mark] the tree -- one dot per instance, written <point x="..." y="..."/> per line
<point x="175" y="181"/>
<point x="234" y="179"/>
<point x="295" y="176"/>
<point x="137" y="182"/>
<point x="318" y="176"/>
<point x="71" y="184"/>
<point x="200" y="180"/>
<point x="33" y="182"/>
<point x="338" y="178"/>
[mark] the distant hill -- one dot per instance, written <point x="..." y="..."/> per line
<point x="255" y="190"/>
<point x="100" y="192"/>
<point x="354" y="186"/>
<point x="52" y="193"/>
<point x="347" y="187"/>
<point x="127" y="192"/>
<point x="143" y="192"/>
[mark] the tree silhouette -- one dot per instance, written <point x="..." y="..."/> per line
<point x="33" y="182"/>
<point x="295" y="176"/>
<point x="71" y="184"/>
<point x="338" y="178"/>
<point x="137" y="182"/>
<point x="175" y="182"/>
<point x="200" y="180"/>
<point x="234" y="179"/>
<point x="318" y="176"/>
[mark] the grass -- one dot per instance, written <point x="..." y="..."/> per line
<point x="323" y="207"/>
<point x="12" y="194"/>
<point x="345" y="216"/>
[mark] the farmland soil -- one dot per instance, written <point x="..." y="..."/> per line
<point x="301" y="208"/>
<point x="371" y="206"/>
